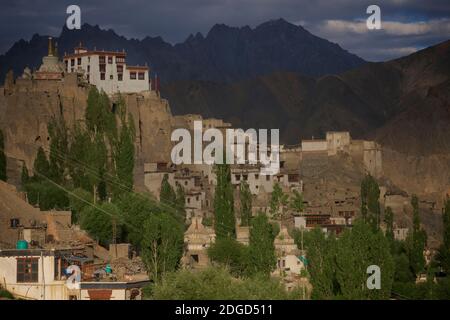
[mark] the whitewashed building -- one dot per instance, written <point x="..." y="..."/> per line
<point x="39" y="274"/>
<point x="107" y="70"/>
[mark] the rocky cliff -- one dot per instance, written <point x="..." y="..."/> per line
<point x="26" y="107"/>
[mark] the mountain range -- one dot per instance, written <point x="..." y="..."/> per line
<point x="225" y="54"/>
<point x="403" y="103"/>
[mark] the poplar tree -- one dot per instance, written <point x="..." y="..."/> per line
<point x="41" y="165"/>
<point x="162" y="244"/>
<point x="357" y="249"/>
<point x="246" y="203"/>
<point x="124" y="156"/>
<point x="24" y="177"/>
<point x="99" y="115"/>
<point x="2" y="157"/>
<point x="277" y="201"/>
<point x="59" y="142"/>
<point x="167" y="195"/>
<point x="370" y="205"/>
<point x="444" y="250"/>
<point x="225" y="221"/>
<point x="261" y="249"/>
<point x="321" y="265"/>
<point x="389" y="220"/>
<point x="416" y="240"/>
<point x="181" y="200"/>
<point x="296" y="202"/>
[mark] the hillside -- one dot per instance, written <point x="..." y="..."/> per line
<point x="403" y="103"/>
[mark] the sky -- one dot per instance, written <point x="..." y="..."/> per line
<point x="406" y="25"/>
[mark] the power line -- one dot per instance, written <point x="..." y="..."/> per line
<point x="115" y="181"/>
<point x="171" y="206"/>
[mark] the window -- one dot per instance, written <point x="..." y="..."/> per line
<point x="133" y="75"/>
<point x="267" y="178"/>
<point x="111" y="77"/>
<point x="102" y="76"/>
<point x="245" y="176"/>
<point x="110" y="60"/>
<point x="15" y="223"/>
<point x="72" y="62"/>
<point x="238" y="177"/>
<point x="102" y="68"/>
<point x="67" y="65"/>
<point x="141" y="75"/>
<point x="79" y="61"/>
<point x="120" y="60"/>
<point x="120" y="77"/>
<point x="27" y="270"/>
<point x="256" y="176"/>
<point x="101" y="59"/>
<point x="196" y="198"/>
<point x="119" y="69"/>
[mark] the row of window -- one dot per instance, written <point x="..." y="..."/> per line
<point x="102" y="60"/>
<point x="141" y="76"/>
<point x="245" y="177"/>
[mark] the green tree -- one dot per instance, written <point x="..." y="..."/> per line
<point x="370" y="206"/>
<point x="277" y="202"/>
<point x="444" y="250"/>
<point x="46" y="195"/>
<point x="59" y="142"/>
<point x="167" y="195"/>
<point x="357" y="249"/>
<point x="2" y="157"/>
<point x="124" y="156"/>
<point x="135" y="209"/>
<point x="231" y="254"/>
<point x="389" y="220"/>
<point x="78" y="166"/>
<point x="245" y="198"/>
<point x="99" y="116"/>
<point x="402" y="269"/>
<point x="24" y="177"/>
<point x="217" y="283"/>
<point x="321" y="264"/>
<point x="98" y="221"/>
<point x="296" y="202"/>
<point x="225" y="221"/>
<point x="262" y="257"/>
<point x="162" y="244"/>
<point x="79" y="199"/>
<point x="41" y="166"/>
<point x="416" y="240"/>
<point x="181" y="200"/>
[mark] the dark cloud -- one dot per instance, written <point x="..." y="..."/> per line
<point x="174" y="20"/>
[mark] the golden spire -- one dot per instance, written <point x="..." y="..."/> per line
<point x="50" y="46"/>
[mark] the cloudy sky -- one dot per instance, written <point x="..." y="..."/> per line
<point x="407" y="25"/>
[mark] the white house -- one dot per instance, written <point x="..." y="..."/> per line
<point x="107" y="70"/>
<point x="38" y="274"/>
